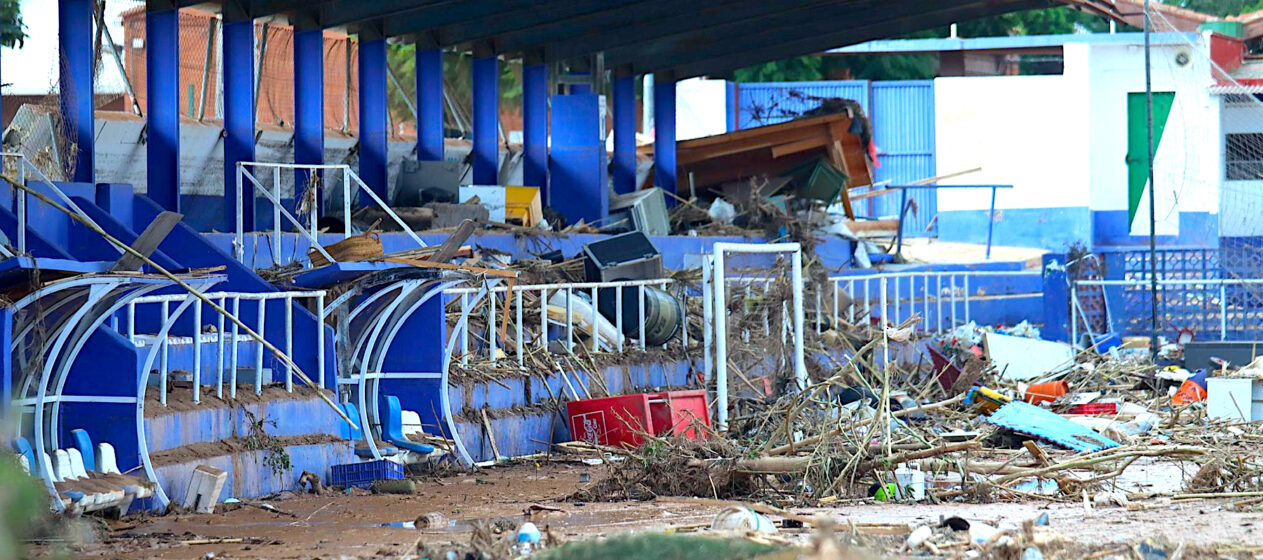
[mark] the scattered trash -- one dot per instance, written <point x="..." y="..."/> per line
<point x="742" y="519"/>
<point x="919" y="536"/>
<point x="528" y="533"/>
<point x="406" y="487"/>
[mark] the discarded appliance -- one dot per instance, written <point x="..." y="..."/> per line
<point x="1234" y="398"/>
<point x="663" y="317"/>
<point x="621" y="420"/>
<point x="644" y="211"/>
<point x="630" y="256"/>
<point x="420" y="182"/>
<point x="204" y="489"/>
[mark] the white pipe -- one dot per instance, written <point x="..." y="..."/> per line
<point x="640" y="293"/>
<point x="800" y="365"/>
<point x="197" y="353"/>
<point x="258" y="359"/>
<point x="320" y="340"/>
<point x="521" y="355"/>
<point x="721" y="341"/>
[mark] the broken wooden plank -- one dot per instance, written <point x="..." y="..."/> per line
<point x="148" y="241"/>
<point x="450" y="246"/>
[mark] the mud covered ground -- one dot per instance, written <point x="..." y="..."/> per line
<point x="357" y="525"/>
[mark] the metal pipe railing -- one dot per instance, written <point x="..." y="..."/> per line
<point x="166" y="317"/>
<point x="567" y="322"/>
<point x="22" y="166"/>
<point x="923" y="291"/>
<point x="349" y="177"/>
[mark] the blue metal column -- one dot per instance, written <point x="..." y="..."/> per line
<point x="1056" y="299"/>
<point x="664" y="170"/>
<point x="373" y="116"/>
<point x="535" y="128"/>
<point x="162" y="107"/>
<point x="486" y="102"/>
<point x="238" y="65"/>
<point x="309" y="100"/>
<point x="74" y="36"/>
<point x="429" y="104"/>
<point x="624" y="134"/>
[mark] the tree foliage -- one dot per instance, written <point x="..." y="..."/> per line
<point x="923" y="66"/>
<point x="12" y="30"/>
<point x="457" y="69"/>
<point x="1220" y="8"/>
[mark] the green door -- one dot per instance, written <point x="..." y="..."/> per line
<point x="1138" y="143"/>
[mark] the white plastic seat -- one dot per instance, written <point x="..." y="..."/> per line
<point x="77" y="469"/>
<point x="61" y="466"/>
<point x="106" y="462"/>
<point x="411" y="423"/>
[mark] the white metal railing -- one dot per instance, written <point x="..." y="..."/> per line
<point x="26" y="170"/>
<point x="888" y="295"/>
<point x="1077" y="311"/>
<point x="521" y="316"/>
<point x="715" y="286"/>
<point x="231" y="301"/>
<point x="245" y="172"/>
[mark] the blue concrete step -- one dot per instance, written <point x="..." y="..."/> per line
<point x="249" y="474"/>
<point x="182" y="423"/>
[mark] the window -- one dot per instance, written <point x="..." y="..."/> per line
<point x="1243" y="154"/>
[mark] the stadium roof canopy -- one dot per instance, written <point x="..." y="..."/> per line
<point x="683" y="38"/>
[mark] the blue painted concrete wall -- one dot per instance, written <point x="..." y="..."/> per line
<point x="248" y="477"/>
<point x="1046" y="228"/>
<point x="283" y="417"/>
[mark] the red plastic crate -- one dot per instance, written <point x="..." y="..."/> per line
<point x="1108" y="408"/>
<point x="620" y="420"/>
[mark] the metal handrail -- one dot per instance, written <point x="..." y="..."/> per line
<point x="278" y="210"/>
<point x="23" y="164"/>
<point x="163" y="341"/>
<point x="569" y="288"/>
<point x="959" y="295"/>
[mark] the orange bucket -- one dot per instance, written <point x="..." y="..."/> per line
<point x="1046" y="392"/>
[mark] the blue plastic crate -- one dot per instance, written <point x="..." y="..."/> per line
<point x="362" y="475"/>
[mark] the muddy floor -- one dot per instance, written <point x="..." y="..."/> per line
<point x="341" y="525"/>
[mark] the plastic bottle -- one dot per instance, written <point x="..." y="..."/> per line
<point x="528" y="533"/>
<point x="911" y="482"/>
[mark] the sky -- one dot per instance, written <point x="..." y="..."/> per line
<point x="33" y="69"/>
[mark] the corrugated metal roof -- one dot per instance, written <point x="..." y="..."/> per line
<point x="1010" y="43"/>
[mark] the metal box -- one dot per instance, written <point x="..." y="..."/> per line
<point x="645" y="211"/>
<point x="630" y="256"/>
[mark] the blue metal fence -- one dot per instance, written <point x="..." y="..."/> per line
<point x="1211" y="310"/>
<point x="761" y="104"/>
<point x="902" y="114"/>
<point x="903" y="129"/>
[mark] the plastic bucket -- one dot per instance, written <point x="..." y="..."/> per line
<point x="1046" y="392"/>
